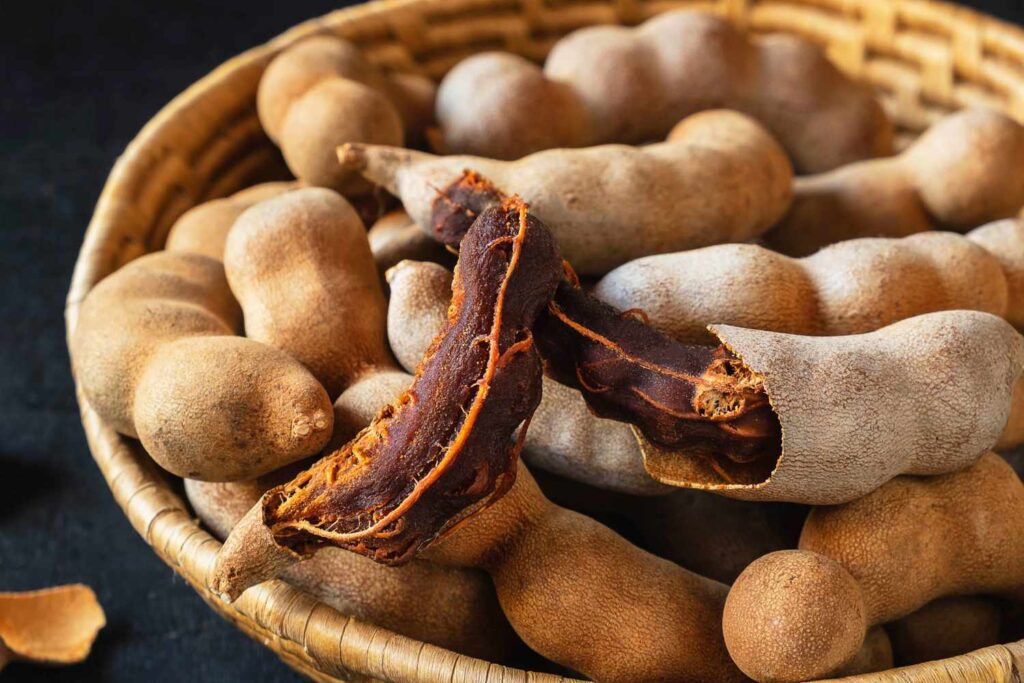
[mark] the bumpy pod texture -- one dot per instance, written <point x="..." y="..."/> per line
<point x="723" y="179"/>
<point x="847" y="288"/>
<point x="203" y="229"/>
<point x="153" y="353"/>
<point x="322" y="92"/>
<point x="926" y="395"/>
<point x="964" y="171"/>
<point x="449" y="607"/>
<point x="914" y="540"/>
<point x="443" y="449"/>
<point x="301" y="267"/>
<point x="502" y="106"/>
<point x="564" y="436"/>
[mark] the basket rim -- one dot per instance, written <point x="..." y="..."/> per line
<point x="107" y="446"/>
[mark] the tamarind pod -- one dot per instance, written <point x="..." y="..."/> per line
<point x="962" y="172"/>
<point x="443" y="449"/>
<point x="154" y="356"/>
<point x="846" y="288"/>
<point x="873" y="560"/>
<point x="444" y="606"/>
<point x="678" y="63"/>
<point x="603" y="203"/>
<point x="926" y="395"/>
<point x="584" y="597"/>
<point x="301" y="267"/>
<point x="565" y="437"/>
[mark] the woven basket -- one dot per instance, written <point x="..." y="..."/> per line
<point x="925" y="59"/>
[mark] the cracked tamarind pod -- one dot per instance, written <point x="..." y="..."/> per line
<point x="322" y="92"/>
<point x="963" y="172"/>
<point x="502" y="106"/>
<point x="709" y="416"/>
<point x="851" y="287"/>
<point x="155" y="354"/>
<point x="721" y="179"/>
<point x="444" y="448"/>
<point x="565" y="437"/>
<point x="800" y="614"/>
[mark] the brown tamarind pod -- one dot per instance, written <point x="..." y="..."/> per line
<point x="444" y="448"/>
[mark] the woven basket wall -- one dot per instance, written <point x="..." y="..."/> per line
<point x="925" y="59"/>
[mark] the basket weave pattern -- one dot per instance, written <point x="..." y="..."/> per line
<point x="925" y="59"/>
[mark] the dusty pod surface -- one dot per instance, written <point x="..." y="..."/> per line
<point x="203" y="229"/>
<point x="963" y="172"/>
<point x="452" y="608"/>
<point x="601" y="202"/>
<point x="322" y="92"/>
<point x="301" y="267"/>
<point x="564" y="436"/>
<point x="154" y="355"/>
<point x="794" y="616"/>
<point x="935" y="389"/>
<point x="678" y="63"/>
<point x="945" y="628"/>
<point x="964" y="541"/>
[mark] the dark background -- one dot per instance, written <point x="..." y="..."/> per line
<point x="78" y="81"/>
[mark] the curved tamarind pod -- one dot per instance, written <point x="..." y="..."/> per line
<point x="600" y="201"/>
<point x="945" y="628"/>
<point x="441" y="451"/>
<point x="912" y="541"/>
<point x="155" y="355"/>
<point x="564" y="436"/>
<point x="926" y="395"/>
<point x="502" y="106"/>
<point x="301" y="267"/>
<point x="964" y="171"/>
<point x="203" y="229"/>
<point x="449" y="607"/>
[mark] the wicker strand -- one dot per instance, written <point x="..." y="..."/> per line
<point x="924" y="58"/>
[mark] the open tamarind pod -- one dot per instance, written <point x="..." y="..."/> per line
<point x="964" y="171"/>
<point x="443" y="449"/>
<point x="796" y="615"/>
<point x="322" y="92"/>
<point x="926" y="395"/>
<point x="452" y="608"/>
<point x="565" y="437"/>
<point x="155" y="355"/>
<point x="203" y="229"/>
<point x="502" y="106"/>
<point x="945" y="628"/>
<point x="301" y="267"/>
<point x="601" y="203"/>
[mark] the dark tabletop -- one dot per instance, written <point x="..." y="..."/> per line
<point x="78" y="81"/>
